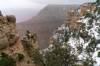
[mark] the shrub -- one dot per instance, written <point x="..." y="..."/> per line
<point x="89" y="15"/>
<point x="20" y="57"/>
<point x="6" y="60"/>
<point x="98" y="54"/>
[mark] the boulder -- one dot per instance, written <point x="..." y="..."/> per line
<point x="4" y="43"/>
<point x="1" y="13"/>
<point x="11" y="18"/>
<point x="12" y="41"/>
<point x="11" y="38"/>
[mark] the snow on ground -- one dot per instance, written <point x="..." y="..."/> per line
<point x="95" y="56"/>
<point x="74" y="41"/>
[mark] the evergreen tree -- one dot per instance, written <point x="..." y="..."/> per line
<point x="98" y="2"/>
<point x="58" y="55"/>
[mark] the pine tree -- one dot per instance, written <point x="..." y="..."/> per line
<point x="98" y="2"/>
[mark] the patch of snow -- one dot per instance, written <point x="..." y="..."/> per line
<point x="95" y="56"/>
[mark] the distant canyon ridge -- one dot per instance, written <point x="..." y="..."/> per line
<point x="45" y="22"/>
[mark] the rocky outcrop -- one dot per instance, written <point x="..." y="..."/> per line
<point x="7" y="31"/>
<point x="11" y="18"/>
<point x="10" y="42"/>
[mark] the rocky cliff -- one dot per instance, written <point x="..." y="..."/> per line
<point x="10" y="42"/>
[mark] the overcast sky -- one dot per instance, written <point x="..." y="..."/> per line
<point x="61" y="1"/>
<point x="35" y="3"/>
<point x="7" y="6"/>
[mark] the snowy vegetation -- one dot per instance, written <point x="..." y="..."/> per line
<point x="74" y="46"/>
